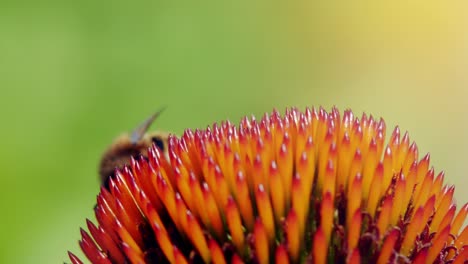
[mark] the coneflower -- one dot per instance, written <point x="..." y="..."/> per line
<point x="305" y="187"/>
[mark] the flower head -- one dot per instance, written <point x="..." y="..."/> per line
<point x="310" y="186"/>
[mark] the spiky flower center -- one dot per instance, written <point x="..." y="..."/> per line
<point x="308" y="186"/>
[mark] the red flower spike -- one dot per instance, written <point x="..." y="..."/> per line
<point x="236" y="260"/>
<point x="250" y="194"/>
<point x="74" y="259"/>
<point x="421" y="257"/>
<point x="281" y="255"/>
<point x="217" y="256"/>
<point x="354" y="257"/>
<point x="91" y="250"/>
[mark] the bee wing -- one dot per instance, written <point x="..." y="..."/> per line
<point x="140" y="131"/>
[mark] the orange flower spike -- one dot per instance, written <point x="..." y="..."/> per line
<point x="179" y="257"/>
<point x="313" y="117"/>
<point x="259" y="174"/>
<point x="384" y="216"/>
<point x="398" y="208"/>
<point x="212" y="211"/>
<point x="428" y="211"/>
<point x="131" y="224"/>
<point x="164" y="242"/>
<point x="411" y="157"/>
<point x="374" y="193"/>
<point x="181" y="222"/>
<point x="357" y="135"/>
<point x="235" y="225"/>
<point x="387" y="247"/>
<point x="244" y="201"/>
<point x="132" y="247"/>
<point x="437" y="244"/>
<point x="437" y="187"/>
<point x="281" y="255"/>
<point x="388" y="170"/>
<point x="329" y="181"/>
<point x="301" y="137"/>
<point x="227" y="166"/>
<point x="320" y="246"/>
<point x="412" y="231"/>
<point x="325" y="155"/>
<point x="123" y="195"/>
<point x="354" y="199"/>
<point x="217" y="256"/>
<point x="285" y="166"/>
<point x="410" y="183"/>
<point x="299" y="201"/>
<point x="354" y="231"/>
<point x="292" y="235"/>
<point x="276" y="192"/>
<point x="403" y="150"/>
<point x="421" y="257"/>
<point x="265" y="211"/>
<point x="425" y="189"/>
<point x="355" y="168"/>
<point x="133" y="255"/>
<point x="195" y="234"/>
<point x="459" y="219"/>
<point x="344" y="161"/>
<point x="183" y="186"/>
<point x="423" y="168"/>
<point x="444" y="204"/>
<point x="142" y="168"/>
<point x="326" y="216"/>
<point x="368" y="171"/>
<point x="261" y="242"/>
<point x="221" y="188"/>
<point x="166" y="194"/>
<point x="462" y="239"/>
<point x="197" y="200"/>
<point x="305" y="163"/>
<point x="445" y="199"/>
<point x="354" y="257"/>
<point x="447" y="220"/>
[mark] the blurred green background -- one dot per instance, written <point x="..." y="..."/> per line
<point x="75" y="74"/>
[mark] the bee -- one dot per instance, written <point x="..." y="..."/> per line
<point x="126" y="146"/>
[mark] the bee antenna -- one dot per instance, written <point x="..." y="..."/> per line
<point x="140" y="130"/>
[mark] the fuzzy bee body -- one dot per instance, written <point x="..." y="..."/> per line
<point x="126" y="146"/>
